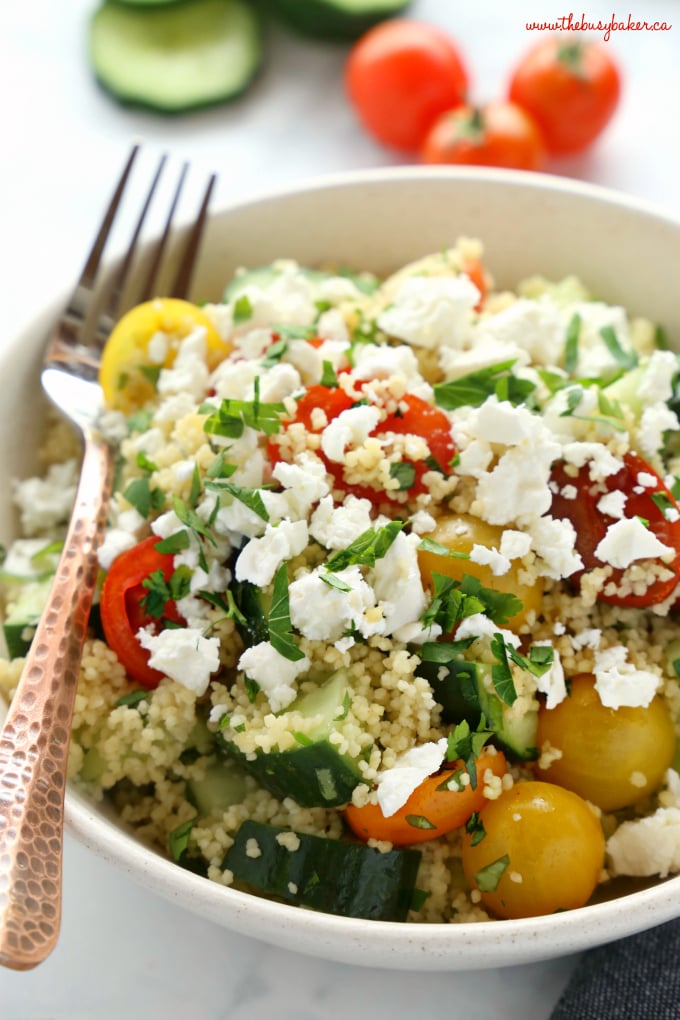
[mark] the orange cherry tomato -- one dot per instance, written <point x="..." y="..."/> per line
<point x="400" y="76"/>
<point x="570" y="89"/>
<point x="122" y="610"/>
<point x="499" y="134"/>
<point x="437" y="806"/>
<point x="591" y="524"/>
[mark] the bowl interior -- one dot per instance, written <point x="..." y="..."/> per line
<point x="624" y="251"/>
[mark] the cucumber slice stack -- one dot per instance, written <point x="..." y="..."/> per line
<point x="175" y="56"/>
<point x="172" y="56"/>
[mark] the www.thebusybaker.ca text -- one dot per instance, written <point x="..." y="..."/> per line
<point x="571" y="23"/>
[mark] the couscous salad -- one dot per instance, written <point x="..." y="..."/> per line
<point x="386" y="623"/>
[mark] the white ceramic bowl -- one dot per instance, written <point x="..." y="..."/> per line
<point x="627" y="253"/>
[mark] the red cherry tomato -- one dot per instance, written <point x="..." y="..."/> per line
<point x="591" y="524"/>
<point x="419" y="418"/>
<point x="570" y="89"/>
<point x="400" y="76"/>
<point x="499" y="134"/>
<point x="122" y="610"/>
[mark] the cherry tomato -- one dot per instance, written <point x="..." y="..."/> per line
<point x="122" y="610"/>
<point x="459" y="532"/>
<point x="499" y="134"/>
<point x="432" y="809"/>
<point x="126" y="384"/>
<point x="570" y="89"/>
<point x="543" y="851"/>
<point x="591" y="524"/>
<point x="418" y="418"/>
<point x="613" y="758"/>
<point x="400" y="76"/>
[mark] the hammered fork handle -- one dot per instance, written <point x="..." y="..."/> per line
<point x="35" y="740"/>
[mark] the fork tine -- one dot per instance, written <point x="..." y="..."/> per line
<point x="147" y="290"/>
<point x="108" y="314"/>
<point x="185" y="269"/>
<point x="94" y="258"/>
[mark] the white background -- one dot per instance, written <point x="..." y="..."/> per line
<point x="125" y="953"/>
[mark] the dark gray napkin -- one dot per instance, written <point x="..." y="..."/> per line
<point x="637" y="978"/>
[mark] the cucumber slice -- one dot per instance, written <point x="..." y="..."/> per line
<point x="340" y="20"/>
<point x="465" y="690"/>
<point x="350" y="879"/>
<point x="175" y="57"/>
<point x="315" y="774"/>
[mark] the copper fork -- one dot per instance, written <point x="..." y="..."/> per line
<point x="35" y="737"/>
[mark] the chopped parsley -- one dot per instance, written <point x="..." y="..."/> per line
<point x="328" y="376"/>
<point x="663" y="502"/>
<point x="431" y="546"/>
<point x="405" y="474"/>
<point x="174" y="543"/>
<point x="143" y="497"/>
<point x="161" y="591"/>
<point x="278" y="622"/>
<point x="420" y="822"/>
<point x="475" y="828"/>
<point x="178" y="840"/>
<point x="500" y="671"/>
<point x="624" y="359"/>
<point x="473" y="389"/>
<point x="370" y="546"/>
<point x="455" y="600"/>
<point x="466" y="744"/>
<point x="243" y="309"/>
<point x="132" y="700"/>
<point x="571" y="344"/>
<point x="226" y="603"/>
<point x="487" y="878"/>
<point x="274" y="352"/>
<point x="232" y="417"/>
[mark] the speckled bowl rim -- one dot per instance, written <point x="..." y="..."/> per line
<point x="418" y="947"/>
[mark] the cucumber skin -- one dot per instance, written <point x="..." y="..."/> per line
<point x="337" y="877"/>
<point x="324" y="19"/>
<point x="314" y="775"/>
<point x="157" y="9"/>
<point x="462" y="695"/>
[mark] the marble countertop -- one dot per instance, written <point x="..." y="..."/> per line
<point x="125" y="952"/>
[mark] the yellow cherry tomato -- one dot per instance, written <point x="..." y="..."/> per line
<point x="459" y="533"/>
<point x="543" y="850"/>
<point x="612" y="757"/>
<point x="126" y="373"/>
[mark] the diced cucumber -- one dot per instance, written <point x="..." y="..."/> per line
<point x="465" y="690"/>
<point x="350" y="879"/>
<point x="223" y="784"/>
<point x="264" y="276"/>
<point x="338" y="19"/>
<point x="175" y="57"/>
<point x="22" y="619"/>
<point x="315" y="774"/>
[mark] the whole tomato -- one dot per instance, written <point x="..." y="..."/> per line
<point x="570" y="89"/>
<point x="499" y="134"/>
<point x="400" y="76"/>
